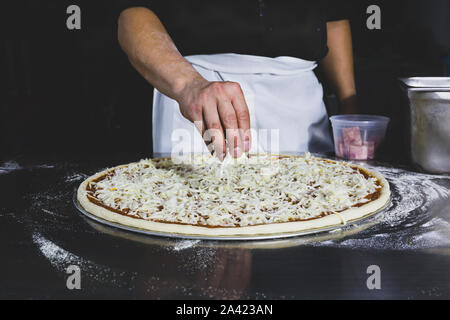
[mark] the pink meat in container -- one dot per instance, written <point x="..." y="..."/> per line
<point x="357" y="137"/>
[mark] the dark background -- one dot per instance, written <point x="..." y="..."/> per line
<point x="65" y="93"/>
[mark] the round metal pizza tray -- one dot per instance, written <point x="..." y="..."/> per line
<point x="358" y="222"/>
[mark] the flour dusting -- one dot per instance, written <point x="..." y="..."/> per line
<point x="44" y="166"/>
<point x="75" y="177"/>
<point x="60" y="259"/>
<point x="9" y="166"/>
<point x="412" y="191"/>
<point x="57" y="256"/>
<point x="49" y="212"/>
<point x="185" y="244"/>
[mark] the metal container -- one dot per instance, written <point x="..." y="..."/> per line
<point x="429" y="106"/>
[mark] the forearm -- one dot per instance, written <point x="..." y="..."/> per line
<point x="152" y="52"/>
<point x="216" y="107"/>
<point x="338" y="64"/>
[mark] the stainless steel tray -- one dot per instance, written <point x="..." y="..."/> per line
<point x="355" y="223"/>
<point x="427" y="83"/>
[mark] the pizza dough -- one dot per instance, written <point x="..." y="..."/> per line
<point x="251" y="196"/>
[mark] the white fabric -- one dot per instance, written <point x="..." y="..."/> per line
<point x="282" y="93"/>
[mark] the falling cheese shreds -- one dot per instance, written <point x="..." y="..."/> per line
<point x="263" y="189"/>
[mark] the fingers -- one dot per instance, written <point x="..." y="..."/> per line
<point x="230" y="124"/>
<point x="214" y="130"/>
<point x="242" y="114"/>
<point x="206" y="119"/>
<point x="195" y="115"/>
<point x="220" y="113"/>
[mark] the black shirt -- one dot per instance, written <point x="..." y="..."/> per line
<point x="257" y="27"/>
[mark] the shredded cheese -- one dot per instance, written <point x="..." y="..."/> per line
<point x="263" y="189"/>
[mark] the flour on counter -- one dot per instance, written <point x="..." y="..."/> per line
<point x="44" y="166"/>
<point x="56" y="255"/>
<point x="75" y="177"/>
<point x="185" y="244"/>
<point x="412" y="191"/>
<point x="50" y="212"/>
<point x="9" y="166"/>
<point x="60" y="259"/>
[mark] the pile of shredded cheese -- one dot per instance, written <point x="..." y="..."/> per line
<point x="200" y="190"/>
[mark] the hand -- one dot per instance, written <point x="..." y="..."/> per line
<point x="220" y="113"/>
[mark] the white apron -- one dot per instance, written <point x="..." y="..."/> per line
<point x="285" y="101"/>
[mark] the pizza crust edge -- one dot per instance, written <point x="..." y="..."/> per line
<point x="333" y="220"/>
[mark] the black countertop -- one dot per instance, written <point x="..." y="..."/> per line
<point x="41" y="234"/>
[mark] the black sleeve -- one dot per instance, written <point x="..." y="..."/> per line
<point x="337" y="9"/>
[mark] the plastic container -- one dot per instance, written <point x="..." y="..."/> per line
<point x="357" y="137"/>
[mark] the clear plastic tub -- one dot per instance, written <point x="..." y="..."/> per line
<point x="357" y="137"/>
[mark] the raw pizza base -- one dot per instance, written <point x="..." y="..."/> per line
<point x="333" y="220"/>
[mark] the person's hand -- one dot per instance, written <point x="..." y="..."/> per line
<point x="220" y="113"/>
